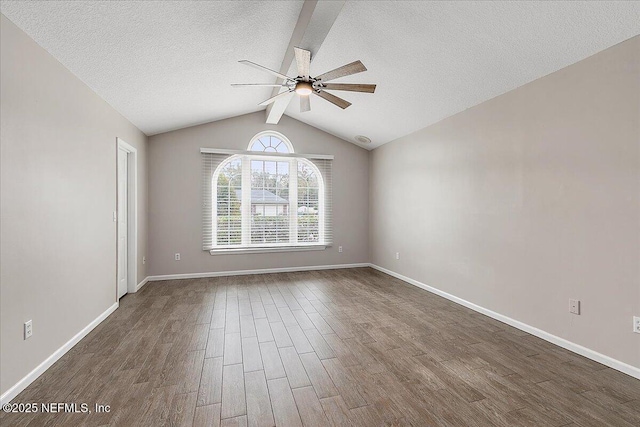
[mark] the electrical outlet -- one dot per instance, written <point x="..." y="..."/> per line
<point x="177" y="257"/>
<point x="28" y="329"/>
<point x="340" y="249"/>
<point x="636" y="324"/>
<point x="397" y="255"/>
<point x="115" y="216"/>
<point x="144" y="260"/>
<point x="574" y="306"/>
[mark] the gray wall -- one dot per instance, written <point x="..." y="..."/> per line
<point x="526" y="201"/>
<point x="58" y="193"/>
<point x="175" y="196"/>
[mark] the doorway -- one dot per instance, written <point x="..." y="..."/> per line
<point x="126" y="219"/>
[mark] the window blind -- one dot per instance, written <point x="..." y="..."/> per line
<point x="265" y="200"/>
<point x="210" y="162"/>
<point x="325" y="167"/>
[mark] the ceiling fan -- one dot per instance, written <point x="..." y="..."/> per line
<point x="305" y="85"/>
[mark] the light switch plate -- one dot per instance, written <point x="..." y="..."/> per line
<point x="28" y="329"/>
<point x="574" y="306"/>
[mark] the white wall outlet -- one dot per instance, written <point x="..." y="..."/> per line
<point x="28" y="329"/>
<point x="574" y="306"/>
<point x="144" y="260"/>
<point x="340" y="249"/>
<point x="636" y="324"/>
<point x="397" y="255"/>
<point x="115" y="216"/>
<point x="177" y="257"/>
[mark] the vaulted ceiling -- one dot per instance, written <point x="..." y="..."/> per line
<point x="168" y="65"/>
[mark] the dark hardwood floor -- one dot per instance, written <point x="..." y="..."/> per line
<point x="342" y="347"/>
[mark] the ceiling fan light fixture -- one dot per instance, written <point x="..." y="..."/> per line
<point x="305" y="85"/>
<point x="304" y="88"/>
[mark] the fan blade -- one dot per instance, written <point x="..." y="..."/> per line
<point x="268" y="70"/>
<point x="255" y="85"/>
<point x="273" y="98"/>
<point x="305" y="104"/>
<point x="303" y="60"/>
<point x="333" y="99"/>
<point x="351" y="87"/>
<point x="345" y="70"/>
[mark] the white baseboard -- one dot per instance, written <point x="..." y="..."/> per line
<point x="33" y="375"/>
<point x="142" y="283"/>
<point x="258" y="271"/>
<point x="576" y="348"/>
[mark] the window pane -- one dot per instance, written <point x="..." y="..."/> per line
<point x="257" y="146"/>
<point x="308" y="208"/>
<point x="269" y="202"/>
<point x="229" y="195"/>
<point x="282" y="147"/>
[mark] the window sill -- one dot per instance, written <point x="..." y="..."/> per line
<point x="267" y="250"/>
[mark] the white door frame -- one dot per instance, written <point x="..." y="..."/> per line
<point x="132" y="216"/>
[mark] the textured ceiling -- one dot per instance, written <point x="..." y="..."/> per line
<point x="164" y="65"/>
<point x="167" y="65"/>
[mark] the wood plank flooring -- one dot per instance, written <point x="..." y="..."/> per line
<point x="323" y="348"/>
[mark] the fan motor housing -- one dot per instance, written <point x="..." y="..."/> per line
<point x="304" y="88"/>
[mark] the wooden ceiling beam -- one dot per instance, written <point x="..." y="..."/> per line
<point x="314" y="23"/>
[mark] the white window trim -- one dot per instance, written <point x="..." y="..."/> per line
<point x="246" y="245"/>
<point x="256" y="153"/>
<point x="261" y="250"/>
<point x="293" y="201"/>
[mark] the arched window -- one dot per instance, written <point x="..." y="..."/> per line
<point x="271" y="142"/>
<point x="267" y="198"/>
<point x="228" y="189"/>
<point x="310" y="206"/>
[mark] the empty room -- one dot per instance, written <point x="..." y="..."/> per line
<point x="320" y="213"/>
